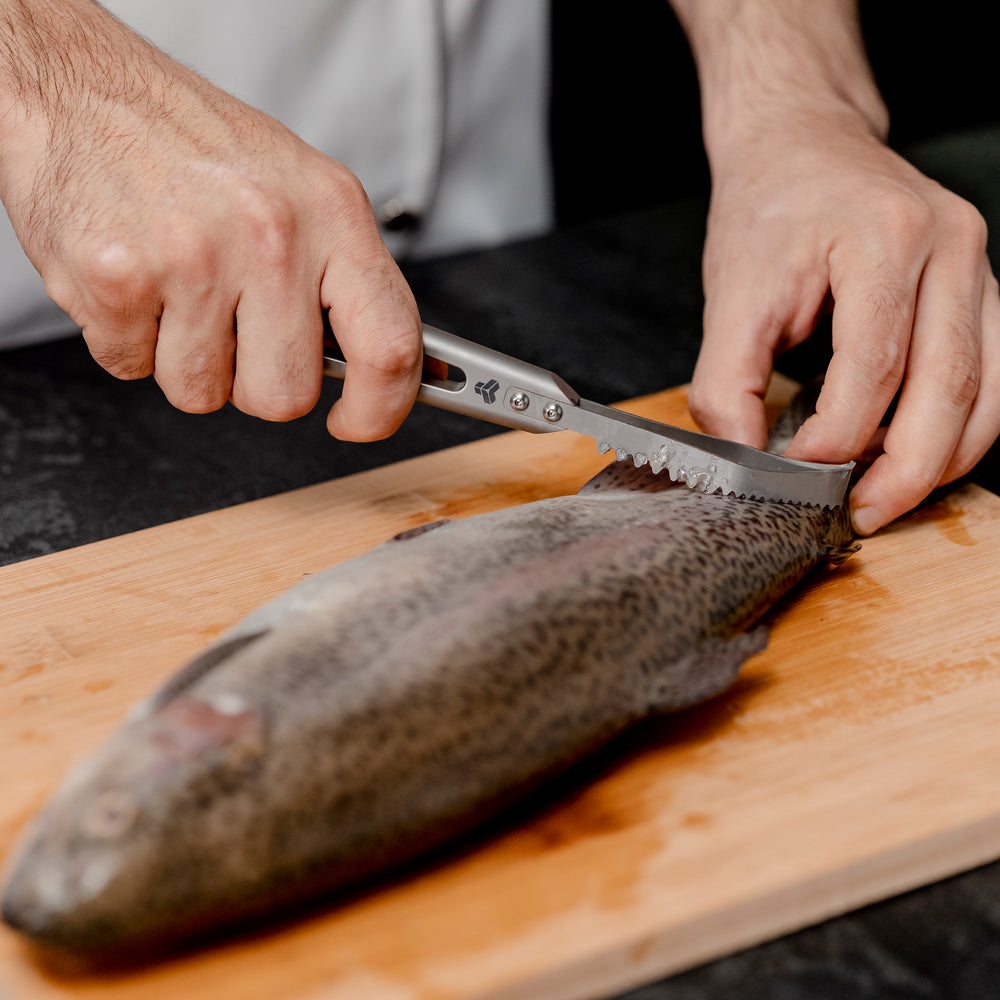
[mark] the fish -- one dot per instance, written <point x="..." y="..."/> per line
<point x="384" y="707"/>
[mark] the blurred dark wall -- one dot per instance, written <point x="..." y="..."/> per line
<point x="625" y="123"/>
<point x="935" y="64"/>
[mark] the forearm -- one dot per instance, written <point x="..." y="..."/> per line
<point x="763" y="62"/>
<point x="24" y="94"/>
<point x="191" y="236"/>
<point x="61" y="60"/>
<point x="47" y="50"/>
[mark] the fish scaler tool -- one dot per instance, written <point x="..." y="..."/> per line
<point x="468" y="378"/>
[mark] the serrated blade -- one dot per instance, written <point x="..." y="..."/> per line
<point x="709" y="464"/>
<point x="486" y="384"/>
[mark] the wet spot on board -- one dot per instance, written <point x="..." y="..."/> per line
<point x="948" y="516"/>
<point x="696" y="820"/>
<point x="640" y="951"/>
<point x="836" y="593"/>
<point x="589" y="812"/>
<point x="93" y="687"/>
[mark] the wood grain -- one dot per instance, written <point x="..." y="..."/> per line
<point x="857" y="756"/>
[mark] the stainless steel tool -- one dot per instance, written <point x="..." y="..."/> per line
<point x="468" y="378"/>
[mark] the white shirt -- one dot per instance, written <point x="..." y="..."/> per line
<point x="438" y="106"/>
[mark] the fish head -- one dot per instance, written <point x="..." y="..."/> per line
<point x="131" y="835"/>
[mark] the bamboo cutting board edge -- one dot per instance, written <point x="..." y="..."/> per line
<point x="644" y="959"/>
<point x="500" y="470"/>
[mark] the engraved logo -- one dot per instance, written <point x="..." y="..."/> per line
<point x="488" y="390"/>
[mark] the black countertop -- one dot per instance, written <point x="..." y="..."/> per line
<point x="614" y="306"/>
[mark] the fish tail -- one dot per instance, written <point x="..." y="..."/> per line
<point x="836" y="554"/>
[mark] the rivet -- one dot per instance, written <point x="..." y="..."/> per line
<point x="552" y="412"/>
<point x="519" y="401"/>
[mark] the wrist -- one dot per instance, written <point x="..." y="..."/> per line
<point x="36" y="72"/>
<point x="58" y="54"/>
<point x="779" y="66"/>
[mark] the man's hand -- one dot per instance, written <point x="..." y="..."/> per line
<point x="191" y="236"/>
<point x="915" y="306"/>
<point x="811" y="210"/>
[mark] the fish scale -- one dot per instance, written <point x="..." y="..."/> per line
<point x="384" y="706"/>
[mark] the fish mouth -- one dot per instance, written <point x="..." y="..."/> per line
<point x="21" y="911"/>
<point x="48" y="927"/>
<point x="45" y="902"/>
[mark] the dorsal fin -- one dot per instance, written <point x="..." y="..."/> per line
<point x="623" y="475"/>
<point x="420" y="529"/>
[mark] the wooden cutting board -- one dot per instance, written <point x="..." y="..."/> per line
<point x="857" y="756"/>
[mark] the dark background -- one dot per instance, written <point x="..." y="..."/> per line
<point x="625" y="117"/>
<point x="613" y="303"/>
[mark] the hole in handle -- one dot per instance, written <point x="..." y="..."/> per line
<point x="436" y="373"/>
<point x="441" y="375"/>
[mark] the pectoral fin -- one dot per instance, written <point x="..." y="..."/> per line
<point x="706" y="671"/>
<point x="196" y="669"/>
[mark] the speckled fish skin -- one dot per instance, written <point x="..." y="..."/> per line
<point x="384" y="706"/>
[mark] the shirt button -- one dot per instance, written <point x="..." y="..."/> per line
<point x="395" y="217"/>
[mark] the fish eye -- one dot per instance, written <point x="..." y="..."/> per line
<point x="111" y="814"/>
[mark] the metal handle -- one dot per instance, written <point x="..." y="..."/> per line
<point x="468" y="378"/>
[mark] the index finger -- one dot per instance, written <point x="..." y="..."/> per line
<point x="374" y="317"/>
<point x="731" y="376"/>
<point x="872" y="326"/>
<point x="728" y="386"/>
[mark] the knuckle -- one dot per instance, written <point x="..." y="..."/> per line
<point x="287" y="402"/>
<point x="704" y="403"/>
<point x="395" y="350"/>
<point x="345" y="190"/>
<point x="699" y="404"/>
<point x="126" y="360"/>
<point x="201" y="385"/>
<point x="968" y="223"/>
<point x="906" y="213"/>
<point x="64" y="291"/>
<point x="198" y="404"/>
<point x="914" y="482"/>
<point x="958" y="372"/>
<point x="282" y="408"/>
<point x="839" y="437"/>
<point x="346" y="210"/>
<point x="881" y="364"/>
<point x="116" y="276"/>
<point x="890" y="302"/>
<point x="270" y="227"/>
<point x="274" y="237"/>
<point x="275" y="408"/>
<point x="189" y="252"/>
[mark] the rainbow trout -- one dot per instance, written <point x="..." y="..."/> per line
<point x="399" y="699"/>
